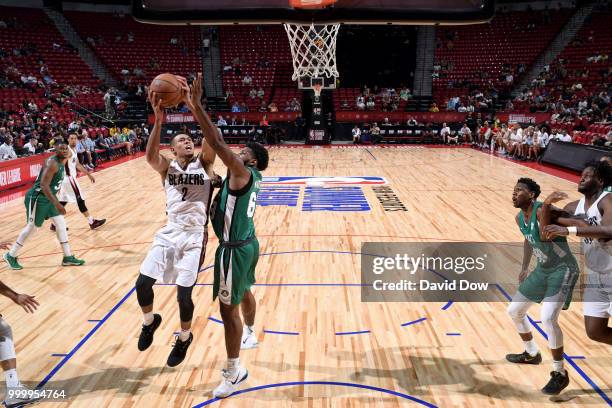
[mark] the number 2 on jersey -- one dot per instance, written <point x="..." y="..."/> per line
<point x="184" y="190"/>
<point x="251" y="208"/>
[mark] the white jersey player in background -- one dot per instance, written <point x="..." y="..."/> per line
<point x="71" y="191"/>
<point x="178" y="248"/>
<point x="594" y="226"/>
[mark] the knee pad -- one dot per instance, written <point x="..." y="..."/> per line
<point x="7" y="348"/>
<point x="144" y="290"/>
<point x="185" y="302"/>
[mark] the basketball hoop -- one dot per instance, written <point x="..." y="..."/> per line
<point x="317" y="90"/>
<point x="313" y="48"/>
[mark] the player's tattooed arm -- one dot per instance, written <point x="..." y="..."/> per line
<point x="154" y="158"/>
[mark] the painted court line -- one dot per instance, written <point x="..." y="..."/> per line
<point x="422" y="319"/>
<point x="281" y="332"/>
<point x="571" y="362"/>
<point x="352" y="332"/>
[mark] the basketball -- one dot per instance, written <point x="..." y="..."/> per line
<point x="168" y="88"/>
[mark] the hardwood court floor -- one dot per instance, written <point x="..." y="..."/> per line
<point x="450" y="194"/>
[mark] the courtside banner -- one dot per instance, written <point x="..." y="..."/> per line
<point x="468" y="272"/>
<point x="21" y="171"/>
<point x="524" y="118"/>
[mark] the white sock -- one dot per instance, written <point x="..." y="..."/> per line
<point x="90" y="219"/>
<point x="15" y="248"/>
<point x="12" y="380"/>
<point x="558" y="366"/>
<point x="249" y="329"/>
<point x="184" y="335"/>
<point x="531" y="347"/>
<point x="147" y="318"/>
<point x="233" y="364"/>
<point x="66" y="249"/>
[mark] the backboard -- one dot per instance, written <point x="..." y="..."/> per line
<point x="309" y="11"/>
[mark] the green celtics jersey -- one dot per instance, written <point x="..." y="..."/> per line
<point x="56" y="181"/>
<point x="232" y="211"/>
<point x="548" y="253"/>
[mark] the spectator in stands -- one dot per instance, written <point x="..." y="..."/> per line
<point x="263" y="107"/>
<point x="253" y="93"/>
<point x="360" y="103"/>
<point x="444" y="132"/>
<point x="235" y="107"/>
<point x="434" y="108"/>
<point x="264" y="121"/>
<point x="356" y="133"/>
<point x="466" y="134"/>
<point x="174" y="41"/>
<point x="370" y="104"/>
<point x="221" y="121"/>
<point x="206" y="45"/>
<point x="247" y="80"/>
<point x="345" y="105"/>
<point x="386" y="122"/>
<point x="272" y="107"/>
<point x="452" y="137"/>
<point x="244" y="107"/>
<point x="7" y="151"/>
<point x="260" y="93"/>
<point x="565" y="137"/>
<point x="101" y="143"/>
<point x="30" y="147"/>
<point x="375" y="133"/>
<point x="295" y="105"/>
<point x="411" y="121"/>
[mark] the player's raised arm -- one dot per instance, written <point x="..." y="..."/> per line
<point x="207" y="156"/>
<point x="582" y="229"/>
<point x="212" y="135"/>
<point x="154" y="158"/>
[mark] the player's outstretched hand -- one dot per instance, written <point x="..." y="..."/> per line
<point x="555" y="197"/>
<point x="91" y="177"/>
<point x="28" y="302"/>
<point x="4" y="245"/>
<point x="155" y="104"/>
<point x="552" y="231"/>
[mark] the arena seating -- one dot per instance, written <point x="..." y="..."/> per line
<point x="149" y="41"/>
<point x="486" y="47"/>
<point x="251" y="44"/>
<point x="35" y="28"/>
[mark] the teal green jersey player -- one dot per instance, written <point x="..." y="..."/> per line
<point x="550" y="283"/>
<point x="41" y="204"/>
<point x="236" y="257"/>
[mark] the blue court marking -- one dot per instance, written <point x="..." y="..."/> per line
<point x="215" y="320"/>
<point x="422" y="319"/>
<point x="335" y="383"/>
<point x="352" y="332"/>
<point x="84" y="340"/>
<point x="446" y="306"/>
<point x="537" y="321"/>
<point x="58" y="355"/>
<point x="571" y="362"/>
<point x="576" y="357"/>
<point x="453" y="334"/>
<point x="345" y="198"/>
<point x="93" y="321"/>
<point x="278" y="195"/>
<point x="281" y="332"/>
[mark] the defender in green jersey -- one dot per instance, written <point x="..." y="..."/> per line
<point x="236" y="257"/>
<point x="551" y="283"/>
<point x="41" y="204"/>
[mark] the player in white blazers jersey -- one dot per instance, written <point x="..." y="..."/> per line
<point x="592" y="222"/>
<point x="71" y="191"/>
<point x="178" y="248"/>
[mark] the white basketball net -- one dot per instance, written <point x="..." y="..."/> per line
<point x="313" y="48"/>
